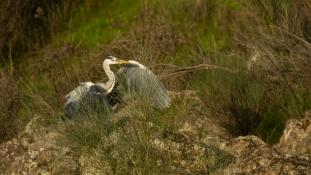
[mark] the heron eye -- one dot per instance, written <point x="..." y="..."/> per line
<point x="110" y="57"/>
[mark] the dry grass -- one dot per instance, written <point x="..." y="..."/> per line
<point x="10" y="103"/>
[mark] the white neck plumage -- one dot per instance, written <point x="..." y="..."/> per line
<point x="109" y="85"/>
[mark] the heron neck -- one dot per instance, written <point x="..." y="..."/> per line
<point x="109" y="85"/>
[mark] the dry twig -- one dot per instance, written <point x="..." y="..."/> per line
<point x="185" y="70"/>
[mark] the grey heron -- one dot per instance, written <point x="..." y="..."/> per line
<point x="99" y="97"/>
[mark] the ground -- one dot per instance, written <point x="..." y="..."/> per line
<point x="199" y="146"/>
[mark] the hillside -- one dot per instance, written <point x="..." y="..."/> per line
<point x="237" y="71"/>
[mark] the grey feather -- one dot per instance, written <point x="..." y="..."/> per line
<point x="143" y="82"/>
<point x="88" y="98"/>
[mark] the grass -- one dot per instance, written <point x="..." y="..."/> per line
<point x="89" y="27"/>
<point x="128" y="142"/>
<point x="257" y="99"/>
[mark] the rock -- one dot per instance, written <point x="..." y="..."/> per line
<point x="253" y="156"/>
<point x="191" y="157"/>
<point x="64" y="166"/>
<point x="296" y="138"/>
<point x="91" y="164"/>
<point x="35" y="153"/>
<point x="200" y="125"/>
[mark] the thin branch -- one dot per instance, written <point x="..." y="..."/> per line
<point x="167" y="65"/>
<point x="185" y="70"/>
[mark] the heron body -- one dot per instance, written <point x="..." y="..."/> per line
<point x="139" y="82"/>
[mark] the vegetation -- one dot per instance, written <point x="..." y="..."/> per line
<point x="48" y="47"/>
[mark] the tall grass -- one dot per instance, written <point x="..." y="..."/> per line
<point x="130" y="142"/>
<point x="123" y="142"/>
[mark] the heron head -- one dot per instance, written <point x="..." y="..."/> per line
<point x="114" y="60"/>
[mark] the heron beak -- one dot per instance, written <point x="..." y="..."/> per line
<point x="119" y="61"/>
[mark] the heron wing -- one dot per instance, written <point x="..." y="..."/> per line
<point x="143" y="82"/>
<point x="85" y="98"/>
<point x="74" y="99"/>
<point x="77" y="94"/>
